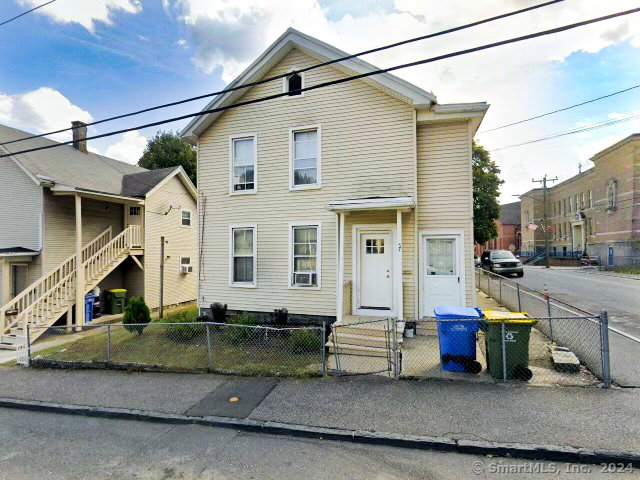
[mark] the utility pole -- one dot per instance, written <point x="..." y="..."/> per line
<point x="544" y="221"/>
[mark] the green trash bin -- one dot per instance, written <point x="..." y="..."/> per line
<point x="517" y="332"/>
<point x="115" y="300"/>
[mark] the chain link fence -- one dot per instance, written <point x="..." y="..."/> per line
<point x="189" y="347"/>
<point x="563" y="325"/>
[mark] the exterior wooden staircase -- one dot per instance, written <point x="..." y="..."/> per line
<point x="42" y="303"/>
<point x="353" y="337"/>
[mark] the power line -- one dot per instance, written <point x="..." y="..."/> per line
<point x="302" y="70"/>
<point x="24" y="13"/>
<point x="585" y="128"/>
<point x="560" y="110"/>
<point x="349" y="79"/>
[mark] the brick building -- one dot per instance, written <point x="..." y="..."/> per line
<point x="595" y="212"/>
<point x="508" y="230"/>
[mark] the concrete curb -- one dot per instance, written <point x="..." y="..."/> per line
<point x="551" y="453"/>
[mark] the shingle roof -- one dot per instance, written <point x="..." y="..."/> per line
<point x="66" y="165"/>
<point x="139" y="184"/>
<point x="17" y="250"/>
<point x="510" y="213"/>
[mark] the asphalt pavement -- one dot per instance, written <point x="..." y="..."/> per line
<point x="594" y="291"/>
<point x="49" y="446"/>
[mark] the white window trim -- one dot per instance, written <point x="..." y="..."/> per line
<point x="318" y="254"/>
<point x="190" y="218"/>
<point x="254" y="284"/>
<point x="180" y="264"/>
<point x="285" y="83"/>
<point x="253" y="135"/>
<point x="304" y="128"/>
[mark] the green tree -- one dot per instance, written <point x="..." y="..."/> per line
<point x="486" y="189"/>
<point x="167" y="149"/>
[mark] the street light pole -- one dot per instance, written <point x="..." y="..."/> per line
<point x="544" y="221"/>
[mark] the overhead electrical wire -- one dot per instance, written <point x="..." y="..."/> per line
<point x="24" y="13"/>
<point x="302" y="70"/>
<point x="351" y="78"/>
<point x="560" y="110"/>
<point x="584" y="128"/>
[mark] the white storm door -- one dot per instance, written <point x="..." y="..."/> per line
<point x="441" y="275"/>
<point x="376" y="272"/>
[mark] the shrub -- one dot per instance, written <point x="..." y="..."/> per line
<point x="236" y="335"/>
<point x="219" y="312"/>
<point x="136" y="312"/>
<point x="280" y="317"/>
<point x="305" y="340"/>
<point x="183" y="333"/>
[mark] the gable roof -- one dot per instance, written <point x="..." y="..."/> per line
<point x="69" y="168"/>
<point x="510" y="213"/>
<point x="291" y="39"/>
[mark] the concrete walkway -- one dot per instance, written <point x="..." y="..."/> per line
<point x="568" y="416"/>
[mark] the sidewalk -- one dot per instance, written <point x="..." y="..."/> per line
<point x="568" y="416"/>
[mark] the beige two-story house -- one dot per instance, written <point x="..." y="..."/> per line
<point x="351" y="200"/>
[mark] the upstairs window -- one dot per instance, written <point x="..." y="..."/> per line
<point x="590" y="199"/>
<point x="243" y="164"/>
<point x="305" y="158"/>
<point x="185" y="218"/>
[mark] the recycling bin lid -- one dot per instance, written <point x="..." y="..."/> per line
<point x="117" y="290"/>
<point x="456" y="312"/>
<point x="509" y="317"/>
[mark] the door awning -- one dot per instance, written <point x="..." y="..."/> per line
<point x="372" y="203"/>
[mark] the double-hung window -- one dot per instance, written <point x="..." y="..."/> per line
<point x="243" y="261"/>
<point x="304" y="255"/>
<point x="243" y="152"/>
<point x="185" y="218"/>
<point x="304" y="157"/>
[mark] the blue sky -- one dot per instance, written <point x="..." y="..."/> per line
<point x="90" y="59"/>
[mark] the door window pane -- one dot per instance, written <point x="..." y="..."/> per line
<point x="441" y="257"/>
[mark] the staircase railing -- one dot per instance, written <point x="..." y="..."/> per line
<point x="45" y="284"/>
<point x="96" y="245"/>
<point x="121" y="244"/>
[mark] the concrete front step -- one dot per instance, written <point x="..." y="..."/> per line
<point x="357" y="339"/>
<point x="345" y="349"/>
<point x="7" y="346"/>
<point x="375" y="329"/>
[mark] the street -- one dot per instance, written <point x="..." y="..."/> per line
<point x="620" y="296"/>
<point x="52" y="446"/>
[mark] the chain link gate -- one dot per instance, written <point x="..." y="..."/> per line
<point x="365" y="347"/>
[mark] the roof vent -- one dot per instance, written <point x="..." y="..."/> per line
<point x="79" y="136"/>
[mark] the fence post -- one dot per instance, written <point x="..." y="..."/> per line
<point x="504" y="354"/>
<point x="604" y="339"/>
<point x="28" y="346"/>
<point x="549" y="315"/>
<point x="108" y="343"/>
<point x="518" y="290"/>
<point x="209" y="350"/>
<point x="396" y="366"/>
<point x="335" y="348"/>
<point x="323" y="371"/>
<point x="500" y="289"/>
<point x="489" y="285"/>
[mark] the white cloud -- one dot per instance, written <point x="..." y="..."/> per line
<point x="84" y="12"/>
<point x="44" y="110"/>
<point x="129" y="149"/>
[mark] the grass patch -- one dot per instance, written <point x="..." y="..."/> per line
<point x="184" y="348"/>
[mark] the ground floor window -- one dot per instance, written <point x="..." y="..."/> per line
<point x="243" y="255"/>
<point x="305" y="255"/>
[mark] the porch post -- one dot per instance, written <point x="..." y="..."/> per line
<point x="340" y="280"/>
<point x="79" y="269"/>
<point x="399" y="269"/>
<point x="5" y="288"/>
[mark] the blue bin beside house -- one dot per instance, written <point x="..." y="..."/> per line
<point x="89" y="300"/>
<point x="457" y="330"/>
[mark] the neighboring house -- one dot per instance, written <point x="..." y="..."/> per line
<point x="63" y="202"/>
<point x="509" y="235"/>
<point x="596" y="211"/>
<point x="355" y="199"/>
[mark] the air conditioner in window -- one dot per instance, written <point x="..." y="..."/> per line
<point x="302" y="278"/>
<point x="184" y="269"/>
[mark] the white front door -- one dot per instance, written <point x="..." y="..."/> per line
<point x="441" y="282"/>
<point x="375" y="282"/>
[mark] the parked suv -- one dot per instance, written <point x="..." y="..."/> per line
<point x="502" y="262"/>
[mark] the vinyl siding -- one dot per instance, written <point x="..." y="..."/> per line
<point x="60" y="225"/>
<point x="367" y="149"/>
<point x="445" y="190"/>
<point x="181" y="242"/>
<point x="21" y="212"/>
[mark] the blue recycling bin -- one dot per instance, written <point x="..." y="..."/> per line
<point x="457" y="330"/>
<point x="89" y="300"/>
